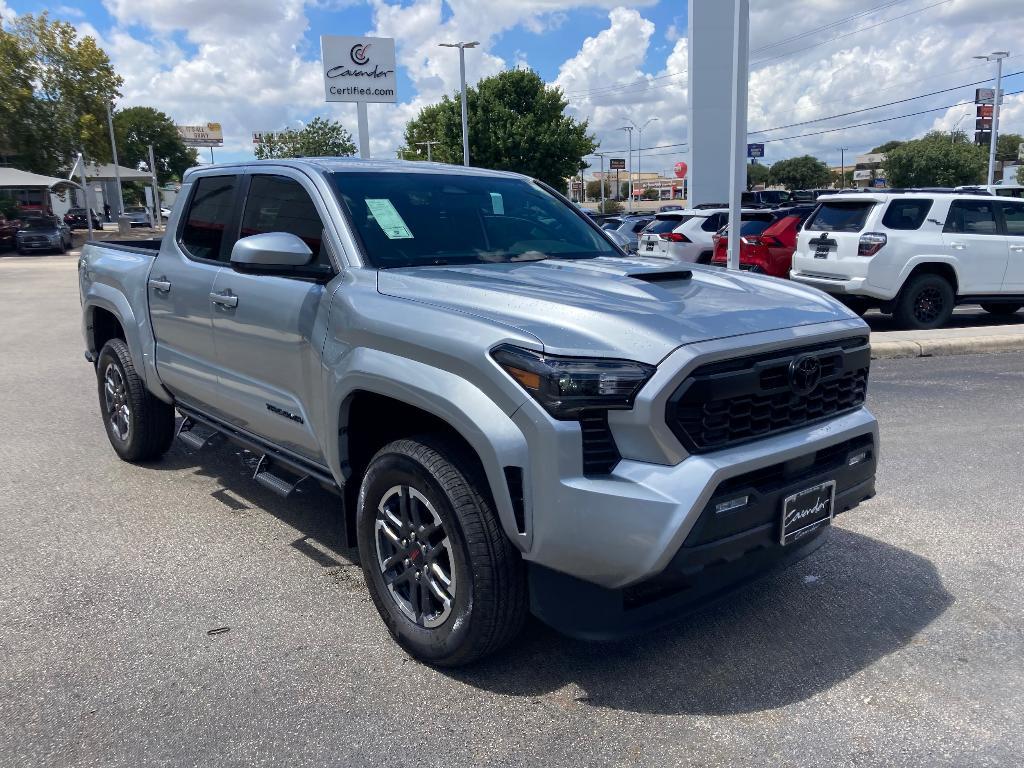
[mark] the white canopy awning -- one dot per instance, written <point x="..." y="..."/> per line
<point x="105" y="172"/>
<point x="14" y="178"/>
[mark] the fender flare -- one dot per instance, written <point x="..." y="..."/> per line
<point x="485" y="427"/>
<point x="916" y="261"/>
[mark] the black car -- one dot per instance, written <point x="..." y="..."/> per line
<point x="45" y="233"/>
<point x="75" y="219"/>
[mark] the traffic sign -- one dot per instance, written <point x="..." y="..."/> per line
<point x="755" y="150"/>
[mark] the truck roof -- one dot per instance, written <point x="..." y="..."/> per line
<point x="357" y="165"/>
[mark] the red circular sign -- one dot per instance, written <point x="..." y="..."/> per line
<point x="681" y="170"/>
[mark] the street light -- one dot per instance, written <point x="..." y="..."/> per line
<point x="117" y="168"/>
<point x="640" y="143"/>
<point x="952" y="133"/>
<point x="462" y="78"/>
<point x="629" y="129"/>
<point x="842" y="167"/>
<point x="997" y="57"/>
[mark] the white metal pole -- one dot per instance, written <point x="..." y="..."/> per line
<point x="995" y="122"/>
<point x="364" y="130"/>
<point x="602" y="183"/>
<point x="85" y="192"/>
<point x="117" y="169"/>
<point x="737" y="177"/>
<point x="157" y="218"/>
<point x="465" y="118"/>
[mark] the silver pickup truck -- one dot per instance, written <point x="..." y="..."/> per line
<point x="515" y="415"/>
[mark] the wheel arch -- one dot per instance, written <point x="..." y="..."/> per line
<point x="931" y="266"/>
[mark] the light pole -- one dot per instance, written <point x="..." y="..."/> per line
<point x="952" y="133"/>
<point x="601" y="155"/>
<point x="842" y="167"/>
<point x="997" y="57"/>
<point x="629" y="129"/>
<point x="462" y="78"/>
<point x="640" y="143"/>
<point x="428" y="145"/>
<point x="117" y="169"/>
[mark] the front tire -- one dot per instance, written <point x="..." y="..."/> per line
<point x="445" y="579"/>
<point x="924" y="303"/>
<point x="140" y="427"/>
<point x="1001" y="310"/>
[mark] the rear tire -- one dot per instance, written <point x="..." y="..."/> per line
<point x="140" y="427"/>
<point x="1001" y="309"/>
<point x="445" y="579"/>
<point x="856" y="304"/>
<point x="924" y="303"/>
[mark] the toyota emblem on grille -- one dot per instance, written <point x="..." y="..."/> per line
<point x="804" y="374"/>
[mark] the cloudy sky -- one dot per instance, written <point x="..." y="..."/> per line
<point x="254" y="64"/>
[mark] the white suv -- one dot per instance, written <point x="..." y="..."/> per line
<point x="688" y="235"/>
<point x="915" y="254"/>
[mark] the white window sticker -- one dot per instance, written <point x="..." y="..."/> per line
<point x="388" y="219"/>
<point x="497" y="204"/>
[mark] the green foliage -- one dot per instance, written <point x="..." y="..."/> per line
<point x="757" y="174"/>
<point x="610" y="206"/>
<point x="8" y="208"/>
<point x="319" y="138"/>
<point x="1006" y="146"/>
<point x="516" y="123"/>
<point x="888" y="146"/>
<point x="56" y="88"/>
<point x="843" y="180"/>
<point x="137" y="128"/>
<point x="804" y="172"/>
<point x="935" y="161"/>
<point x="651" y="194"/>
<point x="1020" y="174"/>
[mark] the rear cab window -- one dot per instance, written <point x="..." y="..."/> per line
<point x="840" y="216"/>
<point x="906" y="214"/>
<point x="665" y="224"/>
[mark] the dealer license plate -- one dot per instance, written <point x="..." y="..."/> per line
<point x="807" y="510"/>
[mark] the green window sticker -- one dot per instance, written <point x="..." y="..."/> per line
<point x="388" y="219"/>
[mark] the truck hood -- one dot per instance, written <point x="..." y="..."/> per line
<point x="639" y="309"/>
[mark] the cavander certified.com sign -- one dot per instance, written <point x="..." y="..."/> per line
<point x="359" y="68"/>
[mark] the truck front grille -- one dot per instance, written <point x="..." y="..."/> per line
<point x="729" y="402"/>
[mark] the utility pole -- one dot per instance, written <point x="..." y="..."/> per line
<point x="462" y="78"/>
<point x="952" y="134"/>
<point x="842" y="167"/>
<point x="601" y="155"/>
<point x="640" y="143"/>
<point x="428" y="145"/>
<point x="156" y="189"/>
<point x="117" y="169"/>
<point x="629" y="129"/>
<point x="997" y="57"/>
<point x="738" y="125"/>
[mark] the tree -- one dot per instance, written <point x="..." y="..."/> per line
<point x="1006" y="146"/>
<point x="757" y="175"/>
<point x="887" y="147"/>
<point x="651" y="194"/>
<point x="594" y="189"/>
<point x="318" y="138"/>
<point x="610" y="206"/>
<point x="70" y="82"/>
<point x="137" y="128"/>
<point x="804" y="172"/>
<point x="516" y="123"/>
<point x="935" y="160"/>
<point x="843" y="180"/>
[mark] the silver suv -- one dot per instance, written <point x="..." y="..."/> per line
<point x="515" y="415"/>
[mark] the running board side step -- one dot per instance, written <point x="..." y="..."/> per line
<point x="193" y="439"/>
<point x="273" y="482"/>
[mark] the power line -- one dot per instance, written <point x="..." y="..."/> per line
<point x="624" y="85"/>
<point x="848" y="34"/>
<point x="830" y="25"/>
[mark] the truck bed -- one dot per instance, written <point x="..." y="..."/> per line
<point x="148" y="247"/>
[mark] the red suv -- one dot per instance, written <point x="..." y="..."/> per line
<point x="766" y="247"/>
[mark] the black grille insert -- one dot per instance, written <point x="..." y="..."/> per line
<point x="729" y="402"/>
<point x="600" y="454"/>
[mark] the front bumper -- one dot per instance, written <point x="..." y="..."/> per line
<point x="36" y="246"/>
<point x="720" y="551"/>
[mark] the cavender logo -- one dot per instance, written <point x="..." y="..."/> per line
<point x="358" y="54"/>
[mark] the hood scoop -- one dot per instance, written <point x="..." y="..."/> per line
<point x="663" y="277"/>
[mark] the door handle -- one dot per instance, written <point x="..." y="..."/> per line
<point x="1017" y="248"/>
<point x="161" y="284"/>
<point x="226" y="299"/>
<point x="958" y="246"/>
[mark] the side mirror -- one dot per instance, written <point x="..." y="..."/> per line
<point x="271" y="249"/>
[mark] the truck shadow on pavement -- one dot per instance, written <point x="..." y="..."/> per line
<point x="779" y="641"/>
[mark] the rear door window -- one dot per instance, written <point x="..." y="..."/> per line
<point x="714" y="222"/>
<point x="840" y="216"/>
<point x="906" y="214"/>
<point x="1013" y="213"/>
<point x="209" y="211"/>
<point x="972" y="217"/>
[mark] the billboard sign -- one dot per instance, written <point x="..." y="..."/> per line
<point x="617" y="164"/>
<point x="208" y="135"/>
<point x="987" y="95"/>
<point x="360" y="69"/>
<point x="755" y="150"/>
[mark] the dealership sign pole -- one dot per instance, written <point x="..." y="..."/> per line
<point x="359" y="69"/>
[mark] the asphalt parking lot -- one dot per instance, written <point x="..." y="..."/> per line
<point x="178" y="614"/>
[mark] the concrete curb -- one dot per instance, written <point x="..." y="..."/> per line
<point x="938" y="347"/>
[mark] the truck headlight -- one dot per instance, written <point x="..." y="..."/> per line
<point x="564" y="386"/>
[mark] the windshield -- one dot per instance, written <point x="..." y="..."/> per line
<point x="134" y="209"/>
<point x="611" y="224"/>
<point x="665" y="224"/>
<point x="40" y="224"/>
<point x="418" y="219"/>
<point x="775" y="197"/>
